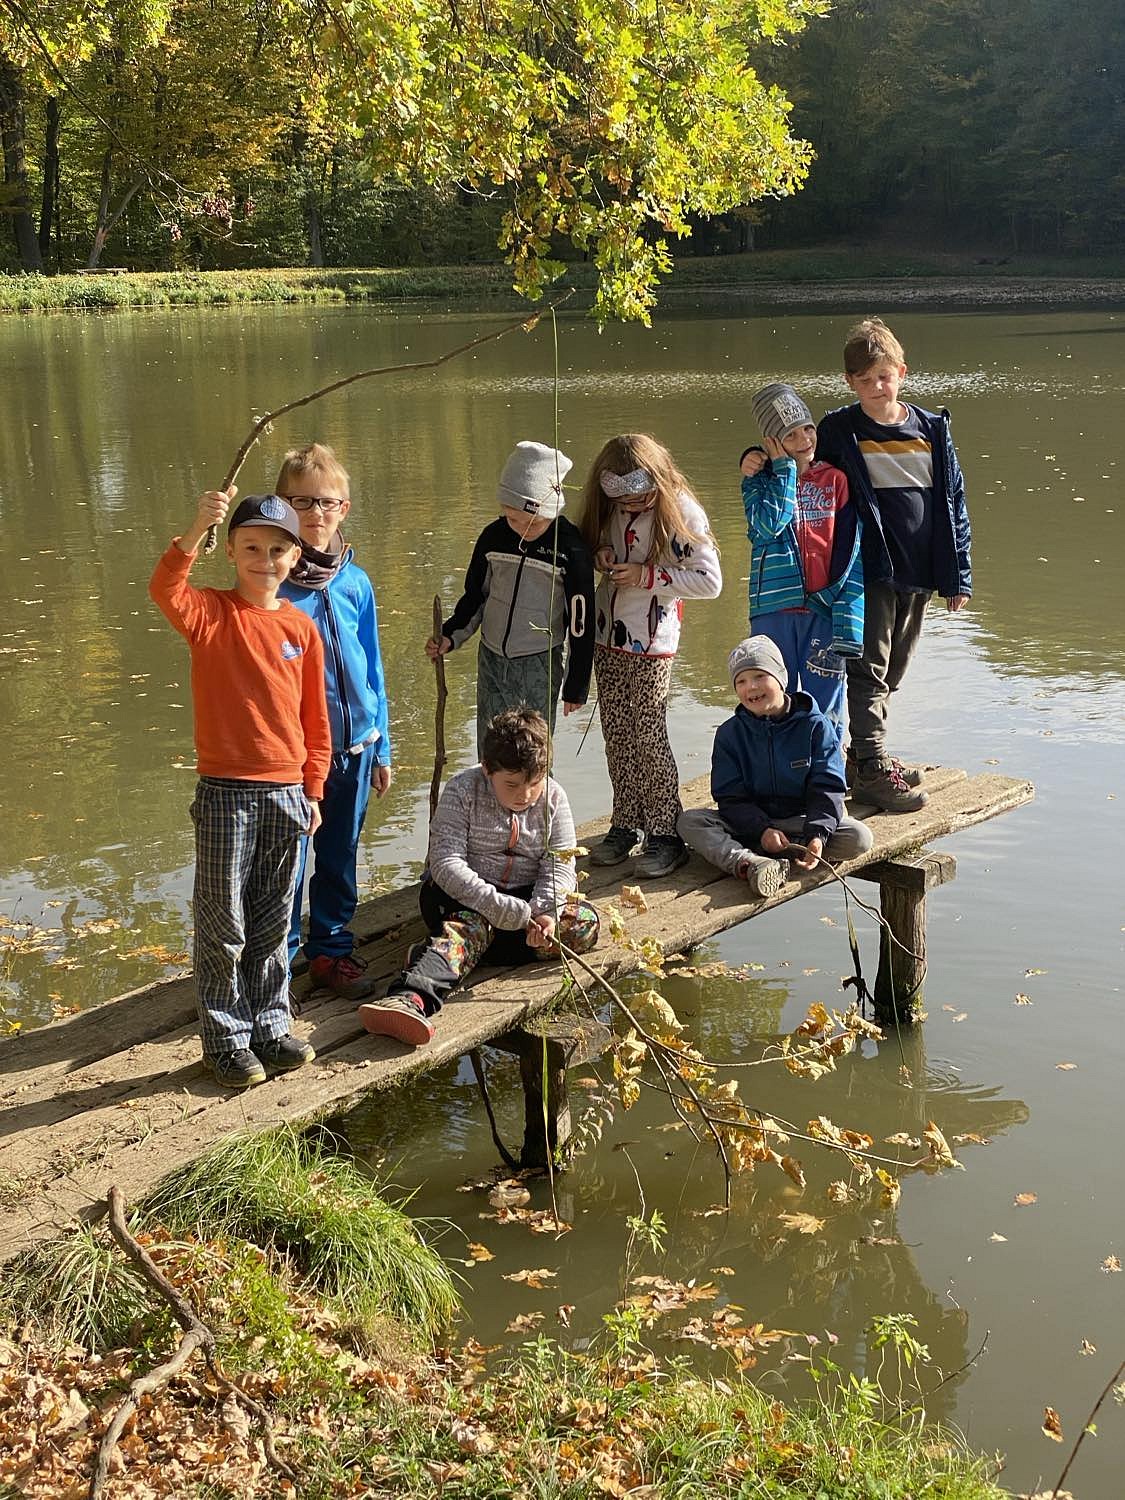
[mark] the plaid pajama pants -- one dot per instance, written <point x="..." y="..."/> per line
<point x="247" y="849"/>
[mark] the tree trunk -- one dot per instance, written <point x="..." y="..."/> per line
<point x="47" y="211"/>
<point x="12" y="137"/>
<point x="316" y="248"/>
<point x="108" y="218"/>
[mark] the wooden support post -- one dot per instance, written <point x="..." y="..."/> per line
<point x="903" y="884"/>
<point x="570" y="1042"/>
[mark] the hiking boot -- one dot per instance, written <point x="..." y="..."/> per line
<point x="401" y="1016"/>
<point x="239" y="1069"/>
<point x="912" y="775"/>
<point x="763" y="879"/>
<point x="281" y="1054"/>
<point x="664" y="852"/>
<point x="345" y="976"/>
<point x="616" y="847"/>
<point x="878" y="783"/>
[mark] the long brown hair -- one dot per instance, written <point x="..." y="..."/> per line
<point x="621" y="455"/>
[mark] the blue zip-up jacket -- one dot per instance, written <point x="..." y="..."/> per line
<point x="344" y="613"/>
<point x="790" y="767"/>
<point x="776" y="577"/>
<point x="837" y="443"/>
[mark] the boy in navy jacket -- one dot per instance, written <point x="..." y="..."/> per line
<point x="906" y="483"/>
<point x="777" y="777"/>
<point x="334" y="591"/>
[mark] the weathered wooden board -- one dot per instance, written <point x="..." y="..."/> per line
<point x="118" y="1095"/>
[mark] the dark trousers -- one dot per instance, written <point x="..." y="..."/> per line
<point x="892" y="628"/>
<point x="335" y="845"/>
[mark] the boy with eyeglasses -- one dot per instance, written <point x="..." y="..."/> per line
<point x="334" y="591"/>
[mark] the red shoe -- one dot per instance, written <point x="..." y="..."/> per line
<point x="345" y="976"/>
<point x="402" y="1017"/>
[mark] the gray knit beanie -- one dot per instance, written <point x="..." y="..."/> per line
<point x="778" y="409"/>
<point x="532" y="479"/>
<point x="757" y="653"/>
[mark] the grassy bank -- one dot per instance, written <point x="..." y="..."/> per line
<point x="770" y="278"/>
<point x="364" y="1406"/>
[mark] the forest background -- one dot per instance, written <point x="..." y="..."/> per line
<point x="212" y="134"/>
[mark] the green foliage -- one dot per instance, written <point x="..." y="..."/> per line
<point x="286" y="1193"/>
<point x="77" y="1290"/>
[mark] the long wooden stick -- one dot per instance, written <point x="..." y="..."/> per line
<point x="196" y="1336"/>
<point x="439" y="711"/>
<point x="263" y="422"/>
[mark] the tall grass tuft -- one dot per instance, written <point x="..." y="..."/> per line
<point x="284" y="1191"/>
<point x="77" y="1290"/>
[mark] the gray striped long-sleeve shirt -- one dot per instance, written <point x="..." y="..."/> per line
<point x="479" y="850"/>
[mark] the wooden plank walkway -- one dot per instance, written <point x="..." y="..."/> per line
<point x="117" y="1094"/>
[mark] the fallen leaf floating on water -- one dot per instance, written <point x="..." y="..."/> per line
<point x="1021" y="1200"/>
<point x="534" y="1279"/>
<point x="802" y="1223"/>
<point x="998" y="1239"/>
<point x="1066" y="1067"/>
<point x="509" y="1194"/>
<point x="1022" y="999"/>
<point x="960" y="1016"/>
<point x="524" y="1322"/>
<point x="1085" y="1347"/>
<point x="563" y="1312"/>
<point x="1052" y="1424"/>
<point x="1030" y="973"/>
<point x="940" y="1151"/>
<point x="1111" y="1264"/>
<point x="479" y="1252"/>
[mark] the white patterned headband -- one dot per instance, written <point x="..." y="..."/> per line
<point x="621" y="486"/>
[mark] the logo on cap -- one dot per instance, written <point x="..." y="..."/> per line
<point x="273" y="508"/>
<point x="789" y="409"/>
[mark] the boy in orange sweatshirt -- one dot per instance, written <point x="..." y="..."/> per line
<point x="264" y="747"/>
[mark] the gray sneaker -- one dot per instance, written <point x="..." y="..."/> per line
<point x="664" y="852"/>
<point x="763" y="878"/>
<point x="401" y="1016"/>
<point x="616" y="847"/>
<point x="880" y="784"/>
<point x="239" y="1069"/>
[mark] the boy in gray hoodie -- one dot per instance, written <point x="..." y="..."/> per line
<point x="492" y="884"/>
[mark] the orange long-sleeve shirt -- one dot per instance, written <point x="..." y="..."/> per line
<point x="257" y="681"/>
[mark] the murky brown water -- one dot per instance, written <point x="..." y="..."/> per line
<point x="111" y="426"/>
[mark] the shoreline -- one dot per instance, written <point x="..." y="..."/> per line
<point x="782" y="283"/>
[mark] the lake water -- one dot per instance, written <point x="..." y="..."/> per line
<point x="112" y="425"/>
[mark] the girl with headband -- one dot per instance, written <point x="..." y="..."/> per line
<point x="652" y="543"/>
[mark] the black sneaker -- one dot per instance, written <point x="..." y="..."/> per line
<point x="616" y="847"/>
<point x="239" y="1069"/>
<point x="878" y="783"/>
<point x="283" y="1053"/>
<point x="912" y="775"/>
<point x="664" y="852"/>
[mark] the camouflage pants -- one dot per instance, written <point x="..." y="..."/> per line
<point x="460" y="939"/>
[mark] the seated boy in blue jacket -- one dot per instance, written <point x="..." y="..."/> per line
<point x="777" y="777"/>
<point x="330" y="587"/>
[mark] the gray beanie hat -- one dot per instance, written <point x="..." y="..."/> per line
<point x="778" y="409"/>
<point x="532" y="479"/>
<point x="757" y="653"/>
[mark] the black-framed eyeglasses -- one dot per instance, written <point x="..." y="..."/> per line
<point x="306" y="502"/>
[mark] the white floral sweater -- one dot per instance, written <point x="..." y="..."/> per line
<point x="646" y="620"/>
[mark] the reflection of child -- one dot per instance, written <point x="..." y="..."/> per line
<point x="530" y="588"/>
<point x="806" y="576"/>
<point x="653" y="544"/>
<point x="330" y="587"/>
<point x="492" y="885"/>
<point x="777" y="777"/>
<point x="905" y="480"/>
<point x="263" y="742"/>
